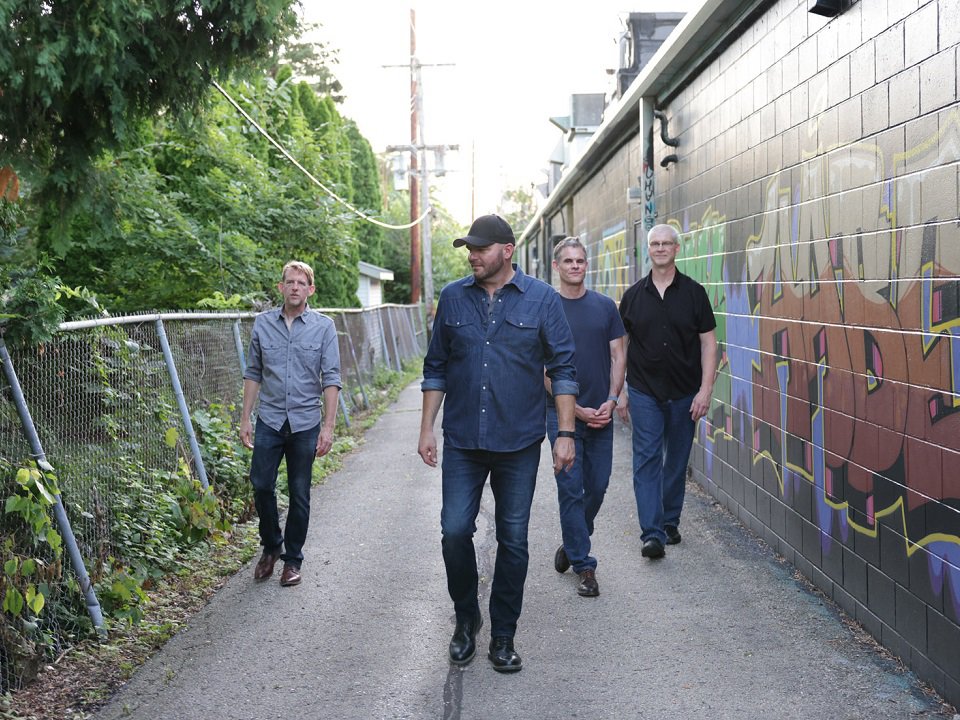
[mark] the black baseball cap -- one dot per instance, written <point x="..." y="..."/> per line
<point x="487" y="230"/>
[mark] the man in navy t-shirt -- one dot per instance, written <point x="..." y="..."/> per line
<point x="600" y="361"/>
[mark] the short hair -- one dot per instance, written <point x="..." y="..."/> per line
<point x="573" y="242"/>
<point x="299" y="266"/>
<point x="674" y="235"/>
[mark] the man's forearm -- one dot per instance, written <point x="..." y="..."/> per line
<point x="566" y="411"/>
<point x="251" y="389"/>
<point x="331" y="397"/>
<point x="432" y="400"/>
<point x="708" y="360"/>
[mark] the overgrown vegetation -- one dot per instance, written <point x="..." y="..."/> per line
<point x="183" y="542"/>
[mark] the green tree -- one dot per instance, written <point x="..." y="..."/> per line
<point x="367" y="195"/>
<point x="77" y="76"/>
<point x="206" y="207"/>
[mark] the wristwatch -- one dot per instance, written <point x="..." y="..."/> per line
<point x="614" y="398"/>
<point x="566" y="434"/>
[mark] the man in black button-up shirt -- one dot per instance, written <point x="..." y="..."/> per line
<point x="671" y="361"/>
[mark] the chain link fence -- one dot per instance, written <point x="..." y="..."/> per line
<point x="107" y="399"/>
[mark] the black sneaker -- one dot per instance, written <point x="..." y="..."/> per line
<point x="561" y="563"/>
<point x="652" y="549"/>
<point x="673" y="535"/>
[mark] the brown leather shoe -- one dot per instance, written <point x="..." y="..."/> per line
<point x="588" y="586"/>
<point x="290" y="575"/>
<point x="265" y="565"/>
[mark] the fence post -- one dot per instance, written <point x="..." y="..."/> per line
<point x="393" y="337"/>
<point x="63" y="522"/>
<point x="239" y="344"/>
<point x="356" y="363"/>
<point x="182" y="403"/>
<point x="414" y="343"/>
<point x="383" y="337"/>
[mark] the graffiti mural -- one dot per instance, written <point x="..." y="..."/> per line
<point x="840" y="331"/>
<point x="609" y="262"/>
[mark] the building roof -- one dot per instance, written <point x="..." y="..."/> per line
<point x="374" y="271"/>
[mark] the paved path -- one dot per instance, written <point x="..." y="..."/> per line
<point x="718" y="629"/>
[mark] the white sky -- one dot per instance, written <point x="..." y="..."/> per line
<point x="515" y="65"/>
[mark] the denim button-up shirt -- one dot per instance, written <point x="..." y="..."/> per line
<point x="293" y="366"/>
<point x="489" y="361"/>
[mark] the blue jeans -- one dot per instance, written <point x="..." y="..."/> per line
<point x="513" y="477"/>
<point x="580" y="490"/>
<point x="662" y="438"/>
<point x="300" y="449"/>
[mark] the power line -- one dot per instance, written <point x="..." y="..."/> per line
<point x="306" y="172"/>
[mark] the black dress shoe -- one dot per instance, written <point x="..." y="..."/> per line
<point x="673" y="535"/>
<point x="463" y="644"/>
<point x="503" y="656"/>
<point x="588" y="586"/>
<point x="652" y="549"/>
<point x="561" y="563"/>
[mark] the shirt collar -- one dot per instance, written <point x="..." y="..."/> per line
<point x="278" y="314"/>
<point x="647" y="281"/>
<point x="519" y="279"/>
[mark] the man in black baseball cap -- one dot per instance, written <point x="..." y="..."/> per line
<point x="496" y="333"/>
<point x="487" y="230"/>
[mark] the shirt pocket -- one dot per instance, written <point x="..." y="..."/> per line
<point x="524" y="333"/>
<point x="274" y="355"/>
<point x="462" y="333"/>
<point x="307" y="356"/>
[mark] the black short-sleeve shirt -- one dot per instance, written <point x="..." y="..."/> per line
<point x="663" y="356"/>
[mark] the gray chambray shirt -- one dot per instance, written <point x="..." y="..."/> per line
<point x="293" y="367"/>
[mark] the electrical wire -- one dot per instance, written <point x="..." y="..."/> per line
<point x="306" y="172"/>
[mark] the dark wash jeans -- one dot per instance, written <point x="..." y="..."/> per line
<point x="300" y="450"/>
<point x="662" y="439"/>
<point x="513" y="477"/>
<point x="580" y="491"/>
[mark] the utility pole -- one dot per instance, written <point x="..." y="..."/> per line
<point x="415" y="123"/>
<point x="419" y="178"/>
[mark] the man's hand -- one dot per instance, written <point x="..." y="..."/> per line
<point x="324" y="441"/>
<point x="427" y="449"/>
<point x="700" y="404"/>
<point x="564" y="453"/>
<point x="623" y="407"/>
<point x="596" y="418"/>
<point x="246" y="433"/>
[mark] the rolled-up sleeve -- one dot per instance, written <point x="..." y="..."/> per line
<point x="254" y="369"/>
<point x="435" y="361"/>
<point x="330" y="358"/>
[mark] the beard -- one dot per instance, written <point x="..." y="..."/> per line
<point x="489" y="268"/>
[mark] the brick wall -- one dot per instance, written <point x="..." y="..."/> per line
<point x="817" y="194"/>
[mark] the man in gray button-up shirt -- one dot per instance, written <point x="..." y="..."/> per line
<point x="294" y="359"/>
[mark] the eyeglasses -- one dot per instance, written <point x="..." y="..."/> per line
<point x="657" y="244"/>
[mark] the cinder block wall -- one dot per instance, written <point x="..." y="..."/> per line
<point x="817" y="190"/>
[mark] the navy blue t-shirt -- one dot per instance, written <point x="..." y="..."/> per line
<point x="595" y="321"/>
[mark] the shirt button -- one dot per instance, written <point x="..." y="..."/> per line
<point x="488" y="342"/>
